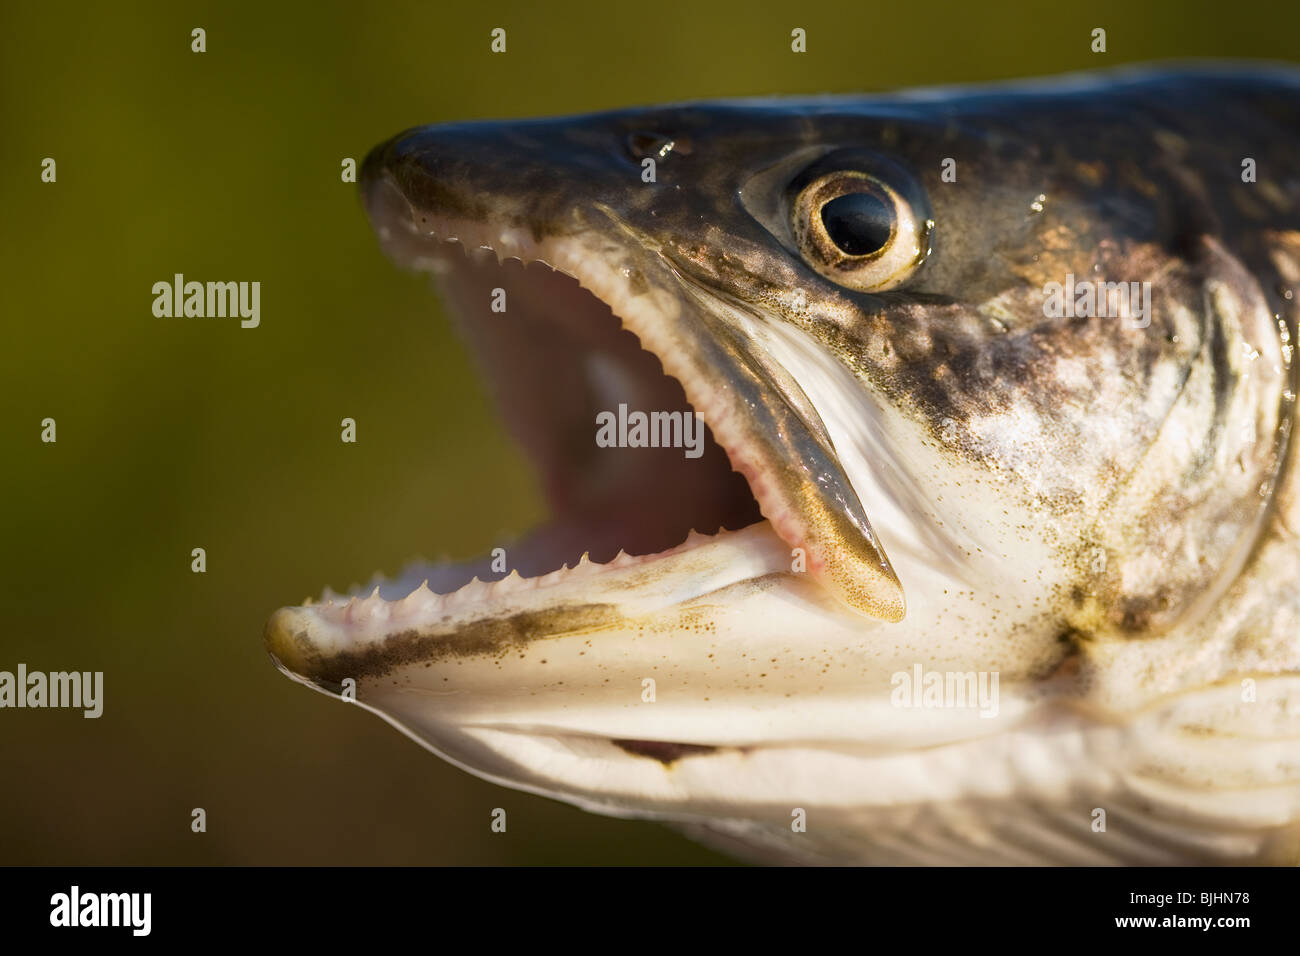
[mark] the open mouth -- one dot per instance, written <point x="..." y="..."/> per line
<point x="693" y="491"/>
<point x="625" y="464"/>
<point x="633" y="459"/>
<point x="676" y="458"/>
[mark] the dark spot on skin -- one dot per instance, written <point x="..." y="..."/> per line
<point x="665" y="751"/>
<point x="1067" y="660"/>
<point x="1072" y="637"/>
<point x="636" y="282"/>
<point x="1137" y="612"/>
<point x="481" y="638"/>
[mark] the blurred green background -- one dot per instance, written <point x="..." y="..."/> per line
<point x="183" y="433"/>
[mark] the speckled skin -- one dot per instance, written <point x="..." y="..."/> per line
<point x="1104" y="514"/>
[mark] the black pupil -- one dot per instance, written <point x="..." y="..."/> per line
<point x="859" y="223"/>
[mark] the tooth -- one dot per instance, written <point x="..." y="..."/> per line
<point x="408" y="605"/>
<point x="473" y="591"/>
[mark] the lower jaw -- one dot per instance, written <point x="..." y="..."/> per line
<point x="399" y="623"/>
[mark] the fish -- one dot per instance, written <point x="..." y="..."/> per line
<point x="988" y="554"/>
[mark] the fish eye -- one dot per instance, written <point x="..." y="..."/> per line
<point x="860" y="224"/>
<point x="859" y="231"/>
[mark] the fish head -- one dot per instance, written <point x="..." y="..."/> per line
<point x="915" y="451"/>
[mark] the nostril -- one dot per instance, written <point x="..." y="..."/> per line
<point x="647" y="145"/>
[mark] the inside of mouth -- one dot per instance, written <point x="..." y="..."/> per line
<point x="564" y="373"/>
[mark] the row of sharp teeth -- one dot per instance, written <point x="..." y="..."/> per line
<point x="511" y="244"/>
<point x="423" y="602"/>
